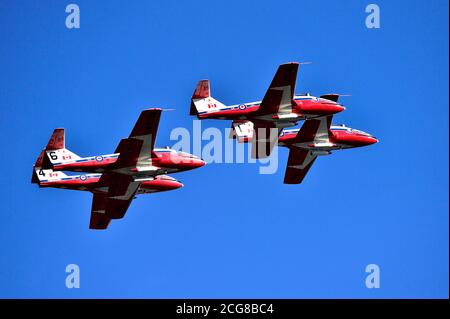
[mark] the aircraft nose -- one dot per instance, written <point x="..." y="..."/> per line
<point x="337" y="108"/>
<point x="195" y="162"/>
<point x="358" y="140"/>
<point x="329" y="109"/>
<point x="177" y="184"/>
<point x="200" y="163"/>
<point x="171" y="185"/>
<point x="372" y="140"/>
<point x="368" y="140"/>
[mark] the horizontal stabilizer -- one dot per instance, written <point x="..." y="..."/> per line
<point x="43" y="173"/>
<point x="242" y="130"/>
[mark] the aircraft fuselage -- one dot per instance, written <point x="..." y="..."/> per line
<point x="303" y="107"/>
<point x="163" y="161"/>
<point x="341" y="137"/>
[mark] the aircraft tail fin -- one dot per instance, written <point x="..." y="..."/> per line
<point x="57" y="140"/>
<point x="202" y="103"/>
<point x="42" y="173"/>
<point x="37" y="165"/>
<point x="56" y="151"/>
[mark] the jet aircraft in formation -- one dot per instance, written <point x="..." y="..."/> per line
<point x="280" y="109"/>
<point x="137" y="167"/>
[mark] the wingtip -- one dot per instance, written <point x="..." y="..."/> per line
<point x="297" y="63"/>
<point x="153" y="109"/>
<point x="159" y="109"/>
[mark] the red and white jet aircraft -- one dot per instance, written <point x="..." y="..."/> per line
<point x="279" y="109"/>
<point x="104" y="207"/>
<point x="136" y="167"/>
<point x="317" y="137"/>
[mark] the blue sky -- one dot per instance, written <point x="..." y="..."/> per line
<point x="230" y="232"/>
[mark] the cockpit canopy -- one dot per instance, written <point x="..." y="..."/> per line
<point x="322" y="100"/>
<point x="307" y="96"/>
<point x="187" y="155"/>
<point x="167" y="149"/>
<point x="343" y="127"/>
<point x="303" y="96"/>
<point x="361" y="132"/>
<point x="166" y="177"/>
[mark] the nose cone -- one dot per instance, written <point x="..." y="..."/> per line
<point x="340" y="108"/>
<point x="191" y="163"/>
<point x="355" y="139"/>
<point x="199" y="163"/>
<point x="372" y="140"/>
<point x="176" y="185"/>
<point x="168" y="185"/>
<point x="330" y="109"/>
<point x="359" y="140"/>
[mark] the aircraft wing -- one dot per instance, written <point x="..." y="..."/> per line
<point x="136" y="150"/>
<point x="99" y="219"/>
<point x="265" y="136"/>
<point x="279" y="96"/>
<point x="315" y="130"/>
<point x="114" y="204"/>
<point x="299" y="163"/>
